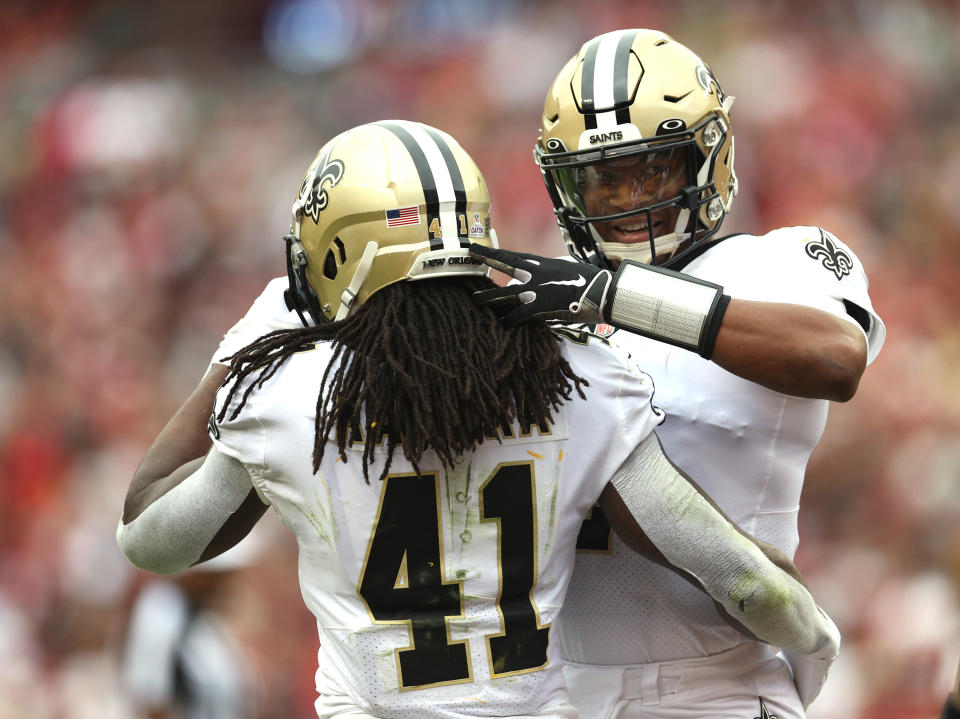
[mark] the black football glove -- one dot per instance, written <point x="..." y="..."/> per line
<point x="550" y="289"/>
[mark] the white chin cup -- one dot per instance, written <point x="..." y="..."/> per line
<point x="640" y="251"/>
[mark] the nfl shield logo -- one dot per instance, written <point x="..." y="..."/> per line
<point x="603" y="330"/>
<point x="476" y="229"/>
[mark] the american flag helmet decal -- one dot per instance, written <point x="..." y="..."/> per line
<point x="443" y="190"/>
<point x="403" y="216"/>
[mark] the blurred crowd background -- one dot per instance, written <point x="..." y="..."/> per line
<point x="149" y="154"/>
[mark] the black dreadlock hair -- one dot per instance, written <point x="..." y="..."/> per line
<point x="420" y="366"/>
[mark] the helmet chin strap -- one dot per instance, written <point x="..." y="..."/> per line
<point x="640" y="251"/>
<point x="349" y="294"/>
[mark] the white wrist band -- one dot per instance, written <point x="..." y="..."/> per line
<point x="666" y="305"/>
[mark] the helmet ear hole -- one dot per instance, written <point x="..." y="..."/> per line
<point x="330" y="266"/>
<point x="330" y="260"/>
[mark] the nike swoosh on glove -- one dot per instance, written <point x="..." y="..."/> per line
<point x="547" y="288"/>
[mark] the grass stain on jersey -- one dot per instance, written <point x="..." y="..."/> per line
<point x="317" y="523"/>
<point x="321" y="518"/>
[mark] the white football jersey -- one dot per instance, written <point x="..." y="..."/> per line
<point x="436" y="595"/>
<point x="745" y="445"/>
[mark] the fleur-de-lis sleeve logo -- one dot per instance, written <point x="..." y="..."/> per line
<point x="313" y="191"/>
<point x="830" y="256"/>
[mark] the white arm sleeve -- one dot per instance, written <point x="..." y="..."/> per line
<point x="172" y="533"/>
<point x="696" y="538"/>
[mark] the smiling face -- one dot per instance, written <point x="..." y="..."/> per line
<point x="631" y="183"/>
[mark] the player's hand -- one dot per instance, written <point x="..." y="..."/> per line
<point x="550" y="289"/>
<point x="810" y="670"/>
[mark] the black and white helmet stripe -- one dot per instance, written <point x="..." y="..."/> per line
<point x="603" y="82"/>
<point x="443" y="189"/>
<point x="460" y="194"/>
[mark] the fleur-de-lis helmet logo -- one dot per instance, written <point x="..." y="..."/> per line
<point x="830" y="256"/>
<point x="321" y="176"/>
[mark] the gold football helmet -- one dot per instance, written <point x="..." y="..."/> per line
<point x="636" y="150"/>
<point x="382" y="203"/>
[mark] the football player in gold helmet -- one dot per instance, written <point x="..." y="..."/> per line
<point x="436" y="587"/>
<point x="636" y="150"/>
<point x="637" y="153"/>
<point x="399" y="221"/>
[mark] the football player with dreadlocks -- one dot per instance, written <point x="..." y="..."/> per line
<point x="747" y="337"/>
<point x="434" y="464"/>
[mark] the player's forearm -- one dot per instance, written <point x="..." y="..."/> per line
<point x="791" y="349"/>
<point x="788" y="348"/>
<point x="695" y="537"/>
<point x="771" y="604"/>
<point x="179" y="526"/>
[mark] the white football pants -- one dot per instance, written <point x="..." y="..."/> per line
<point x="728" y="685"/>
